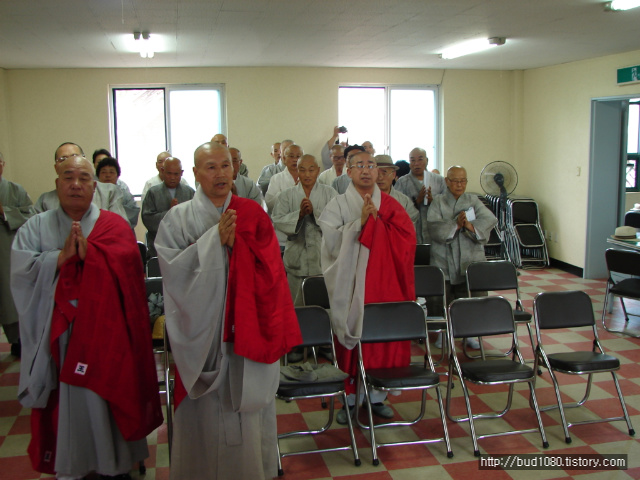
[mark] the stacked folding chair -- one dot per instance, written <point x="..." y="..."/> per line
<point x="519" y="222"/>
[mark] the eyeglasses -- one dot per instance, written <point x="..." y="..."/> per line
<point x="65" y="157"/>
<point x="361" y="166"/>
<point x="385" y="172"/>
<point x="461" y="181"/>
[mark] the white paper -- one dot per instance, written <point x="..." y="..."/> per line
<point x="471" y="214"/>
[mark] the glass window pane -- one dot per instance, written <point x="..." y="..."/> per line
<point x="362" y="111"/>
<point x="412" y="123"/>
<point x="195" y="117"/>
<point x="140" y="133"/>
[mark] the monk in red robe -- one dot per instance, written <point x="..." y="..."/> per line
<point x="368" y="249"/>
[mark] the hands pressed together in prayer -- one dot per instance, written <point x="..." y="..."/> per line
<point x="424" y="192"/>
<point x="227" y="228"/>
<point x="75" y="243"/>
<point x="464" y="223"/>
<point x="306" y="208"/>
<point x="174" y="202"/>
<point x="368" y="209"/>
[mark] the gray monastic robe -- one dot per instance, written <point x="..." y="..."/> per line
<point x="344" y="262"/>
<point x="341" y="183"/>
<point x="106" y="197"/>
<point x="155" y="206"/>
<point x="411" y="186"/>
<point x="407" y="204"/>
<point x="266" y="174"/>
<point x="453" y="252"/>
<point x="18" y="208"/>
<point x="231" y="399"/>
<point x="92" y="439"/>
<point x="245" y="188"/>
<point x="304" y="236"/>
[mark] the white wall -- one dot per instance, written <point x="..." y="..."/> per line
<point x="556" y="123"/>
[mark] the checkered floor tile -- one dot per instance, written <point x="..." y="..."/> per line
<point x="427" y="461"/>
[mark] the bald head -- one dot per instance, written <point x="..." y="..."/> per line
<point x="456" y="180"/>
<point x="172" y="172"/>
<point x="221" y="139"/>
<point x="206" y="149"/>
<point x="75" y="185"/>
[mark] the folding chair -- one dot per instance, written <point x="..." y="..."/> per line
<point x="162" y="347"/>
<point x="573" y="309"/>
<point x="315" y="326"/>
<point x="423" y="254"/>
<point x="314" y="292"/>
<point x="153" y="268"/>
<point x="498" y="276"/>
<point x="392" y="322"/>
<point x="430" y="284"/>
<point x="623" y="262"/>
<point x="483" y="317"/>
<point x="143" y="254"/>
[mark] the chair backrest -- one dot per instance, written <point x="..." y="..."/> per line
<point x="154" y="285"/>
<point x="480" y="316"/>
<point x="622" y="261"/>
<point x="153" y="267"/>
<point x="392" y="322"/>
<point x="491" y="276"/>
<point x="529" y="235"/>
<point x="632" y="219"/>
<point x="315" y="326"/>
<point x="563" y="310"/>
<point x="314" y="292"/>
<point x="429" y="281"/>
<point x="143" y="253"/>
<point x="524" y="211"/>
<point x="423" y="254"/>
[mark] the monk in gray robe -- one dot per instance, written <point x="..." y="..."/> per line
<point x="87" y="371"/>
<point x="229" y="317"/>
<point x="243" y="185"/>
<point x="342" y="182"/>
<point x="421" y="186"/>
<point x="273" y="168"/>
<point x="163" y="197"/>
<point x="296" y="214"/>
<point x="386" y="176"/>
<point x="15" y="208"/>
<point x="106" y="196"/>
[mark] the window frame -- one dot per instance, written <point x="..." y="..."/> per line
<point x="437" y="120"/>
<point x="167" y="89"/>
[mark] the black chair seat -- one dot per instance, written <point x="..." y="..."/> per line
<point x="404" y="377"/>
<point x="495" y="371"/>
<point x="582" y="361"/>
<point x="521" y="316"/>
<point x="304" y="389"/>
<point x="629" y="287"/>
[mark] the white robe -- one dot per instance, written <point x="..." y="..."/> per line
<point x="226" y="426"/>
<point x="304" y="237"/>
<point x="92" y="440"/>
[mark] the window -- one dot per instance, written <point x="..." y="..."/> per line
<point x="633" y="146"/>
<point x="149" y="120"/>
<point x="395" y="119"/>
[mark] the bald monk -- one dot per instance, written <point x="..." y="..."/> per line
<point x="87" y="371"/>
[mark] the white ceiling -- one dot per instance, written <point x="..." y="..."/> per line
<point x="319" y="33"/>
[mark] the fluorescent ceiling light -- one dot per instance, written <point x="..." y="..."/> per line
<point x="623" y="4"/>
<point x="143" y="42"/>
<point x="473" y="46"/>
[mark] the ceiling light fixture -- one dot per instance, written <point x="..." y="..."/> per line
<point x="144" y="47"/>
<point x="473" y="46"/>
<point x="621" y="5"/>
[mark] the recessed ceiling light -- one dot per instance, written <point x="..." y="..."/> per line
<point x="622" y="4"/>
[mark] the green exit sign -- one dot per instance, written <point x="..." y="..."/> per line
<point x="629" y="75"/>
